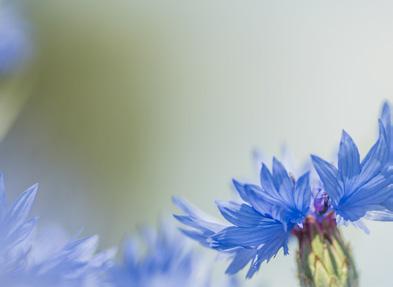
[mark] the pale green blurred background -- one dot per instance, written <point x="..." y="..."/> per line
<point x="130" y="102"/>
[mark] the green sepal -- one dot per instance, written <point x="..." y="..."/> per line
<point x="324" y="259"/>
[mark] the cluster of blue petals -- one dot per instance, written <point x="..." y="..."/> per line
<point x="30" y="257"/>
<point x="166" y="261"/>
<point x="262" y="222"/>
<point x="24" y="262"/>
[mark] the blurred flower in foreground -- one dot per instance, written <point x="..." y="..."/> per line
<point x="166" y="261"/>
<point x="25" y="263"/>
<point x="15" y="44"/>
<point x="282" y="206"/>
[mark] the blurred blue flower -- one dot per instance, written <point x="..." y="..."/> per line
<point x="23" y="261"/>
<point x="166" y="261"/>
<point x="73" y="264"/>
<point x="15" y="44"/>
<point x="15" y="229"/>
<point x="260" y="226"/>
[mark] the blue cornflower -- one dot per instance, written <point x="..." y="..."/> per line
<point x="260" y="226"/>
<point x="282" y="206"/>
<point x="167" y="261"/>
<point x="15" y="45"/>
<point x="356" y="187"/>
<point x="23" y="261"/>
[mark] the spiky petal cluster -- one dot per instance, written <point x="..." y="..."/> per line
<point x="261" y="224"/>
<point x="23" y="263"/>
<point x="167" y="261"/>
<point x="357" y="187"/>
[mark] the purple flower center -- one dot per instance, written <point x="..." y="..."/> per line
<point x="321" y="203"/>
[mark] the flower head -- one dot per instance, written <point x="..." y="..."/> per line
<point x="261" y="225"/>
<point x="279" y="207"/>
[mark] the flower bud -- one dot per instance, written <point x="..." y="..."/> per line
<point x="324" y="259"/>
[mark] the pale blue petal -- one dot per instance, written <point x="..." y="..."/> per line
<point x="328" y="175"/>
<point x="242" y="257"/>
<point x="302" y="193"/>
<point x="239" y="214"/>
<point x="281" y="177"/>
<point x="348" y="157"/>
